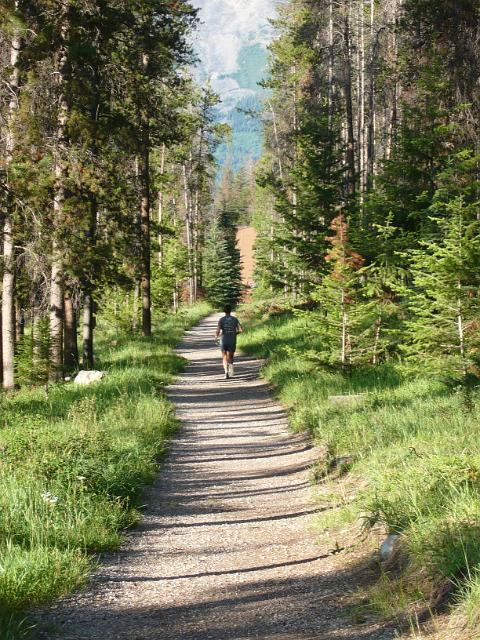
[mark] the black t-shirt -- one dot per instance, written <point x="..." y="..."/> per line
<point x="229" y="326"/>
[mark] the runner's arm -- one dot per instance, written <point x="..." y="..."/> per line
<point x="217" y="333"/>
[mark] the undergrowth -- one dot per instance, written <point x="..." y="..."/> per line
<point x="73" y="462"/>
<point x="415" y="448"/>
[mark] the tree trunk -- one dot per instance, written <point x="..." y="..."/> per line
<point x="344" y="339"/>
<point x="330" y="64"/>
<point x="88" y="326"/>
<point x="160" y="210"/>
<point x="372" y="123"/>
<point x="393" y="119"/>
<point x="19" y="321"/>
<point x="36" y="334"/>
<point x="56" y="316"/>
<point x="145" y="220"/>
<point x="70" y="356"/>
<point x="350" y="152"/>
<point x="8" y="327"/>
<point x="189" y="231"/>
<point x="60" y="153"/>
<point x="362" y="138"/>
<point x="196" y="246"/>
<point x="8" y="284"/>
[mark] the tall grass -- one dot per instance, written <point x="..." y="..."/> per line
<point x="416" y="451"/>
<point x="73" y="463"/>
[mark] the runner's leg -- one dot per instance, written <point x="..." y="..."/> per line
<point x="230" y="362"/>
<point x="225" y="361"/>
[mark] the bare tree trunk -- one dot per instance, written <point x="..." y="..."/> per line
<point x="160" y="209"/>
<point x="393" y="119"/>
<point x="196" y="246"/>
<point x="36" y="318"/>
<point x="88" y="325"/>
<point x="8" y="287"/>
<point x="362" y="139"/>
<point x="344" y="341"/>
<point x="330" y="64"/>
<point x="56" y="315"/>
<point x="145" y="233"/>
<point x="145" y="220"/>
<point x="56" y="280"/>
<point x="8" y="284"/>
<point x="189" y="232"/>
<point x="350" y="153"/>
<point x="19" y="321"/>
<point x="461" y="335"/>
<point x="70" y="356"/>
<point x="372" y="122"/>
<point x="175" y="297"/>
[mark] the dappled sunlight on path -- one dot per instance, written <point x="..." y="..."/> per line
<point x="223" y="550"/>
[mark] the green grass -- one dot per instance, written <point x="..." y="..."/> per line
<point x="73" y="464"/>
<point x="416" y="451"/>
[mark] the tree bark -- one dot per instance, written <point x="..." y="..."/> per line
<point x="88" y="326"/>
<point x="350" y="151"/>
<point x="362" y="138"/>
<point x="145" y="218"/>
<point x="60" y="153"/>
<point x="196" y="246"/>
<point x="70" y="358"/>
<point x="330" y="64"/>
<point x="160" y="209"/>
<point x="372" y="122"/>
<point x="8" y="283"/>
<point x="189" y="231"/>
<point x="19" y="321"/>
<point x="8" y="326"/>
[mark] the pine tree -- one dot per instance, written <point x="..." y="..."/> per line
<point x="346" y="320"/>
<point x="444" y="300"/>
<point x="221" y="267"/>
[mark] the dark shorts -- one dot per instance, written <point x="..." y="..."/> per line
<point x="228" y="344"/>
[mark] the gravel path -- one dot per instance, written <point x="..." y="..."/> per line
<point x="223" y="551"/>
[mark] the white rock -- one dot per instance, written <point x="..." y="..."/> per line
<point x="388" y="546"/>
<point x="87" y="377"/>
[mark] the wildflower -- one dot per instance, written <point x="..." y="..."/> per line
<point x="81" y="478"/>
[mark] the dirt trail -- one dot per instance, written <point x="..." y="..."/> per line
<point x="223" y="551"/>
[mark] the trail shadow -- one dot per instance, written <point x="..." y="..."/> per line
<point x="227" y="523"/>
<point x="289" y="607"/>
<point x="206" y="574"/>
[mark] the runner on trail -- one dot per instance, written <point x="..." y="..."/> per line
<point x="228" y="327"/>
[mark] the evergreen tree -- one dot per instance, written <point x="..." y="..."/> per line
<point x="221" y="267"/>
<point x="346" y="318"/>
<point x="444" y="300"/>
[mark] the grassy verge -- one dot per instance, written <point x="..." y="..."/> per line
<point x="414" y="455"/>
<point x="73" y="463"/>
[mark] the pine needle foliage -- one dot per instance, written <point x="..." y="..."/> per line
<point x="221" y="269"/>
